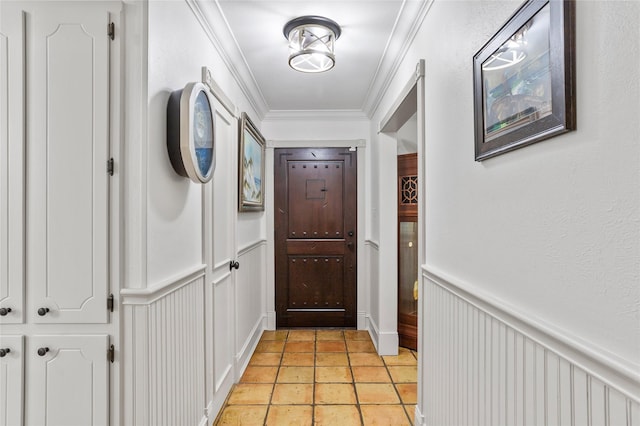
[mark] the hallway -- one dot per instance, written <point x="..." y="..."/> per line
<point x="323" y="377"/>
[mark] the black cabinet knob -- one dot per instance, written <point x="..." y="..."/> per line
<point x="4" y="351"/>
<point x="4" y="311"/>
<point x="43" y="351"/>
<point x="234" y="264"/>
<point x="43" y="311"/>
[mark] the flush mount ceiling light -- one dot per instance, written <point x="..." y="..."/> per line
<point x="311" y="40"/>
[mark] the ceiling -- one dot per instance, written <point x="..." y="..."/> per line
<point x="375" y="34"/>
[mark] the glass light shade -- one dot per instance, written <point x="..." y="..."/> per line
<point x="311" y="43"/>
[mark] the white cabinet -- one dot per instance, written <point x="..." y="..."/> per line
<point x="68" y="380"/>
<point x="11" y="374"/>
<point x="68" y="150"/>
<point x="56" y="95"/>
<point x="11" y="167"/>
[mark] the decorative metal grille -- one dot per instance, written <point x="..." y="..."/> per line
<point x="409" y="191"/>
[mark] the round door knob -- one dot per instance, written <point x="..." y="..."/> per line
<point x="4" y="311"/>
<point x="43" y="351"/>
<point x="234" y="264"/>
<point x="43" y="311"/>
<point x="4" y="351"/>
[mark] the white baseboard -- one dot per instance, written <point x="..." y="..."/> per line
<point x="243" y="357"/>
<point x="361" y="320"/>
<point x="418" y="419"/>
<point x="271" y="320"/>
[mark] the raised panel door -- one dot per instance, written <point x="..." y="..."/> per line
<point x="315" y="224"/>
<point x="68" y="380"/>
<point x="11" y="164"/>
<point x="11" y="380"/>
<point x="67" y="153"/>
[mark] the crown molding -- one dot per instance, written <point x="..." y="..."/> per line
<point x="404" y="32"/>
<point x="215" y="25"/>
<point x="316" y="115"/>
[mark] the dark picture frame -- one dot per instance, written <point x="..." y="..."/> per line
<point x="250" y="167"/>
<point x="524" y="79"/>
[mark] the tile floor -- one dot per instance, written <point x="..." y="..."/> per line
<point x="323" y="377"/>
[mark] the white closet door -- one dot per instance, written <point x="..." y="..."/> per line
<point x="11" y="385"/>
<point x="67" y="154"/>
<point x="68" y="380"/>
<point x="11" y="164"/>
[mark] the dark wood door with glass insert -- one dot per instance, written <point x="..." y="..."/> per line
<point x="315" y="237"/>
<point x="408" y="250"/>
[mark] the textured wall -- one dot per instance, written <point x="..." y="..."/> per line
<point x="552" y="229"/>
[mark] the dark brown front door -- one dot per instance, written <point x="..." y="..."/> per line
<point x="315" y="227"/>
<point x="408" y="250"/>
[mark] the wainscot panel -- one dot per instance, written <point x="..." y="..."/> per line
<point x="484" y="364"/>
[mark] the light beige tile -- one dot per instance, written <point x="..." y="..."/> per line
<point x="295" y="375"/>
<point x="408" y="392"/>
<point x="384" y="415"/>
<point x="364" y="359"/>
<point x="234" y="415"/>
<point x="330" y="346"/>
<point x="360" y="346"/>
<point x="376" y="393"/>
<point x="300" y="346"/>
<point x="290" y="415"/>
<point x="332" y="360"/>
<point x="298" y="359"/>
<point x="329" y="335"/>
<point x="335" y="393"/>
<point x="403" y="374"/>
<point x="370" y="374"/>
<point x="274" y="335"/>
<point x="292" y="393"/>
<point x="333" y="374"/>
<point x="334" y="415"/>
<point x="411" y="412"/>
<point x="404" y="357"/>
<point x="357" y="335"/>
<point x="250" y="394"/>
<point x="302" y="335"/>
<point x="259" y="375"/>
<point x="265" y="359"/>
<point x="270" y="346"/>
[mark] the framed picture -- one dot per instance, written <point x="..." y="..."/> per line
<point x="523" y="79"/>
<point x="251" y="167"/>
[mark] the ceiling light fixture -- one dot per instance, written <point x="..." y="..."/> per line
<point x="311" y="40"/>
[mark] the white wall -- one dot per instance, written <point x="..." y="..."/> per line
<point x="174" y="239"/>
<point x="550" y="230"/>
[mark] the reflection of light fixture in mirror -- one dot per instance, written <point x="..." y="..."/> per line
<point x="311" y="40"/>
<point x="509" y="54"/>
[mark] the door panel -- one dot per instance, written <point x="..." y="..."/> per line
<point x="315" y="205"/>
<point x="11" y="380"/>
<point x="12" y="127"/>
<point x="69" y="384"/>
<point x="67" y="153"/>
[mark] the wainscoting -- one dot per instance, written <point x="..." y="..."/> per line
<point x="164" y="351"/>
<point x="187" y="342"/>
<point x="486" y="365"/>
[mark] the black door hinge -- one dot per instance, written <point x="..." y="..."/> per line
<point x="111" y="353"/>
<point x="110" y="303"/>
<point x="110" y="166"/>
<point x="111" y="31"/>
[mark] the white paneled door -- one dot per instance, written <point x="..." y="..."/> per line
<point x="11" y="384"/>
<point x="67" y="154"/>
<point x="68" y="380"/>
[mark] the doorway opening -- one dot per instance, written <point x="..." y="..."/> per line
<point x="404" y="123"/>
